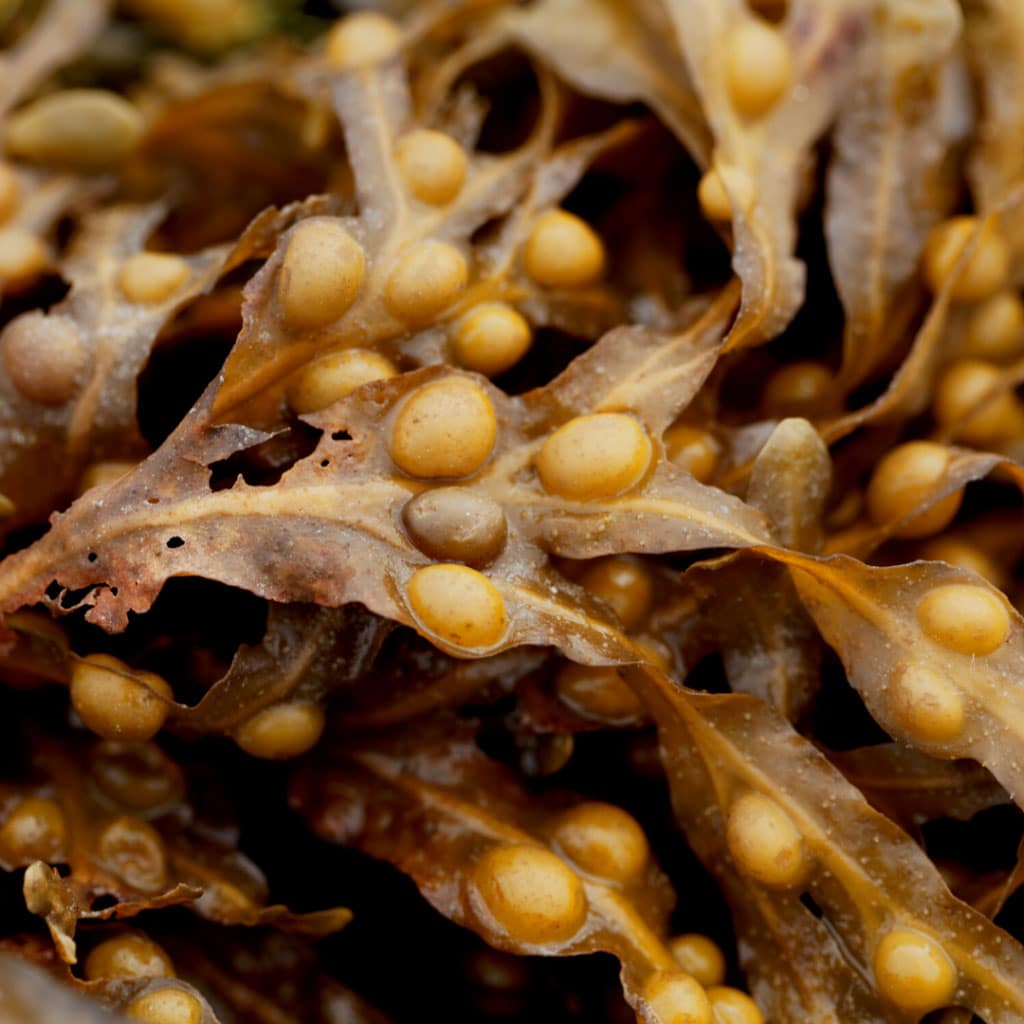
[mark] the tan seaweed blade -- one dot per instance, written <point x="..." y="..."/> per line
<point x="430" y="802"/>
<point x="769" y="645"/>
<point x="911" y="788"/>
<point x="864" y="873"/>
<point x="112" y="339"/>
<point x="373" y="107"/>
<point x="619" y="51"/>
<point x="766" y="156"/>
<point x="144" y="857"/>
<point x="884" y="70"/>
<point x="330" y="530"/>
<point x="869" y="615"/>
<point x="892" y="177"/>
<point x="389" y="694"/>
<point x="964" y="466"/>
<point x="910" y="389"/>
<point x="793" y="965"/>
<point x="664" y="52"/>
<point x="33" y="995"/>
<point x="305" y="652"/>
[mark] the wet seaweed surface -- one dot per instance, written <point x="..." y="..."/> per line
<point x="511" y="510"/>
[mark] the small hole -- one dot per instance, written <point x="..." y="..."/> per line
<point x="73" y="598"/>
<point x="341" y="435"/>
<point x="176" y="542"/>
<point x="263" y="465"/>
<point x="54" y="590"/>
<point x="93" y="556"/>
<point x="325" y="463"/>
<point x="808" y="901"/>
